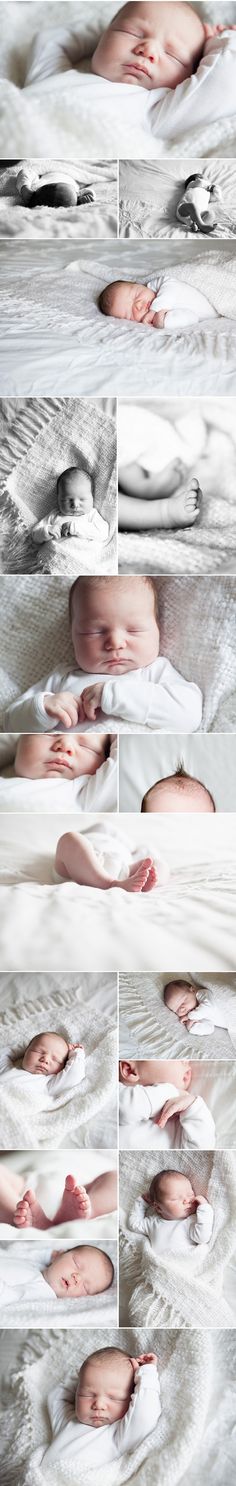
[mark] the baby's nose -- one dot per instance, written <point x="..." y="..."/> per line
<point x="146" y="48"/>
<point x="115" y="639"/>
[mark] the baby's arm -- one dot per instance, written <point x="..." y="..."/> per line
<point x="62" y="1084"/>
<point x="144" y="1409"/>
<point x="54" y="51"/>
<point x="198" y="1023"/>
<point x="100" y="790"/>
<point x="142" y="1103"/>
<point x="197" y="1127"/>
<point x="170" y="704"/>
<point x="205" y="97"/>
<point x="40" y="710"/>
<point x="50" y="528"/>
<point x="202" y="1224"/>
<point x="60" y="1407"/>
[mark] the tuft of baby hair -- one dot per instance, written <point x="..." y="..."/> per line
<point x="183" y="781"/>
<point x="108" y="1354"/>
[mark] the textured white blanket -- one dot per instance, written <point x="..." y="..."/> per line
<point x="148" y="1028"/>
<point x="173" y="1290"/>
<point x="93" y="1103"/>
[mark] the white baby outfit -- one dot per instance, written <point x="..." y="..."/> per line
<point x="90" y="527"/>
<point x="57" y="795"/>
<point x="85" y="1445"/>
<point x="19" y="1280"/>
<point x="195" y="1127"/>
<point x="147" y="439"/>
<point x="204" y="98"/>
<point x="46" y="1091"/>
<point x="155" y="695"/>
<point x="209" y="1014"/>
<point x="183" y="304"/>
<point x="174" y="1235"/>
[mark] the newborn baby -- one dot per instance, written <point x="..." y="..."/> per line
<point x="178" y="792"/>
<point x="54" y="188"/>
<point x="72" y="1274"/>
<point x="48" y="1073"/>
<point x="194" y="210"/>
<point x="62" y="772"/>
<point x="197" y="1008"/>
<point x="157" y="1091"/>
<point x="115" y="633"/>
<point x="78" y="516"/>
<point x="171" y="305"/>
<point x="116" y="1406"/>
<point x="100" y="861"/>
<point x="179" y="1217"/>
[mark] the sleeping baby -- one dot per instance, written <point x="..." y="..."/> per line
<point x="57" y="187"/>
<point x="199" y="1010"/>
<point x="78" y="517"/>
<point x="178" y="1219"/>
<point x="170" y="305"/>
<point x="157" y="1091"/>
<point x="72" y="1274"/>
<point x="49" y="1071"/>
<point x="54" y="771"/>
<point x="115" y="631"/>
<point x="115" y="1408"/>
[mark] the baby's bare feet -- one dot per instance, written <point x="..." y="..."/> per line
<point x="138" y="875"/>
<point x="152" y="879"/>
<point x="75" y="1202"/>
<point x="29" y="1214"/>
<point x="184" y="507"/>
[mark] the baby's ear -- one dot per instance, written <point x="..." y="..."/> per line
<point x="55" y="1254"/>
<point x="128" y="1072"/>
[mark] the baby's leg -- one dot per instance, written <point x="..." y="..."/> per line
<point x="180" y="509"/>
<point x="136" y="481"/>
<point x="77" y="861"/>
<point x="10" y="1188"/>
<point x="92" y="1201"/>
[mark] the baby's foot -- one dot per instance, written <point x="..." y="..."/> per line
<point x="185" y="505"/>
<point x="152" y="879"/>
<point x="138" y="875"/>
<point x="75" y="1202"/>
<point x="29" y="1214"/>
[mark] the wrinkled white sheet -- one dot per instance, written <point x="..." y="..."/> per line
<point x="77" y="928"/>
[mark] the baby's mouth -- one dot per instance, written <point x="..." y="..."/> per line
<point x="137" y="67"/>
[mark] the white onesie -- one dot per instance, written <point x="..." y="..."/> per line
<point x="155" y="695"/>
<point x="194" y="1127"/>
<point x="46" y="1091"/>
<point x="174" y="1235"/>
<point x="85" y="1445"/>
<point x="20" y="1280"/>
<point x="162" y="113"/>
<point x="90" y="527"/>
<point x="46" y="796"/>
<point x="209" y="1014"/>
<point x="184" y="304"/>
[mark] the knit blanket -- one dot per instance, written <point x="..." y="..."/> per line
<point x="92" y="1107"/>
<point x="47" y="1309"/>
<point x="96" y="219"/>
<point x="45" y="438"/>
<point x="148" y="1028"/>
<point x="185" y="1365"/>
<point x="214" y="275"/>
<point x="175" y="1290"/>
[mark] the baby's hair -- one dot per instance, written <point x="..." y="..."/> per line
<point x="183" y="781"/>
<point x="106" y="297"/>
<point x="155" y="1185"/>
<point x="103" y="581"/>
<point x="74" y="469"/>
<point x="107" y="742"/>
<point x="47" y="1033"/>
<point x="108" y="1354"/>
<point x="184" y="985"/>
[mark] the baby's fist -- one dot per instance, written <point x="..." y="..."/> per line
<point x="91" y="699"/>
<point x="63" y="706"/>
<point x="144" y="1359"/>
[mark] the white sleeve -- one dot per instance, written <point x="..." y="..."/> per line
<point x="202" y="1224"/>
<point x="169" y="705"/>
<point x="27" y="713"/>
<point x="53" y="51"/>
<point x="141" y="1103"/>
<point x="177" y="319"/>
<point x="61" y="1084"/>
<point x="27" y="178"/>
<point x="5" y="1059"/>
<point x="205" y="97"/>
<point x="143" y="1412"/>
<point x="201" y="1026"/>
<point x="100" y="790"/>
<point x="197" y="1127"/>
<point x="139" y="1220"/>
<point x="59" y="1407"/>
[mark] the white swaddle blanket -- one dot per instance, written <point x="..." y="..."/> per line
<point x="26" y="1296"/>
<point x="28" y="1117"/>
<point x="175" y="1290"/>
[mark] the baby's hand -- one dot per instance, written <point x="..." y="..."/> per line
<point x="65" y="529"/>
<point x="172" y="1107"/>
<point x="146" y="1357"/>
<point x="64" y="706"/>
<point x="73" y="1045"/>
<point x="91" y="701"/>
<point x="146" y="1196"/>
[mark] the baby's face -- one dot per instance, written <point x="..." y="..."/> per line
<point x="74" y="494"/>
<point x="103" y="1393"/>
<point x="176" y="1196"/>
<point x="77" y="1273"/>
<point x="131" y="301"/>
<point x="114" y="627"/>
<point x="167" y="797"/>
<point x="182" y="1001"/>
<point x="150" y="45"/>
<point x="51" y="755"/>
<point x="47" y="1054"/>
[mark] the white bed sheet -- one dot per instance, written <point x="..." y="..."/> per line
<point x="93" y="353"/>
<point x="47" y="927"/>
